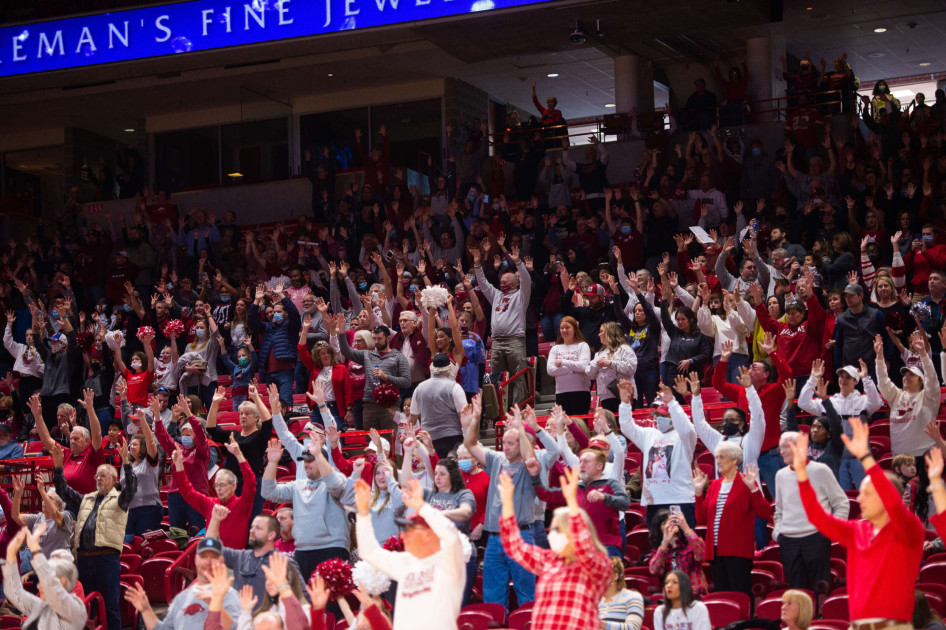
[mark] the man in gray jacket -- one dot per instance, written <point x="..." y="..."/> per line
<point x="438" y="402"/>
<point x="321" y="527"/>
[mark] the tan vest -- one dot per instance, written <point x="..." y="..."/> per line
<point x="109" y="524"/>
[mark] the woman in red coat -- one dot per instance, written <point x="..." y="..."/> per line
<point x="730" y="504"/>
<point x="336" y="382"/>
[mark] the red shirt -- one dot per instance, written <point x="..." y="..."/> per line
<point x="234" y="529"/>
<point x="79" y="470"/>
<point x="801" y="344"/>
<point x="566" y="593"/>
<point x="288" y="547"/>
<point x="630" y="246"/>
<point x="163" y="211"/>
<point x="478" y="484"/>
<point x="881" y="568"/>
<point x="138" y="386"/>
<point x="772" y="396"/>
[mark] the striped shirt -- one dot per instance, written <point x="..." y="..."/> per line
<point x="724" y="489"/>
<point x="624" y="611"/>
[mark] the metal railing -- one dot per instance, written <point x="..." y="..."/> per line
<point x="529" y="400"/>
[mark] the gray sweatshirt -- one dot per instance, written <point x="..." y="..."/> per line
<point x="319" y="519"/>
<point x="394" y="364"/>
<point x="508" y="316"/>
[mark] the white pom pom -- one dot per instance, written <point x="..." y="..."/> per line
<point x="115" y="340"/>
<point x="283" y="280"/>
<point x="434" y="297"/>
<point x="466" y="546"/>
<point x="369" y="579"/>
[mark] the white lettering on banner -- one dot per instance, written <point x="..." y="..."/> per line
<point x="423" y="2"/>
<point x="283" y="8"/>
<point x="161" y="24"/>
<point x="50" y="47"/>
<point x="259" y="18"/>
<point x="381" y="4"/>
<point x="226" y="18"/>
<point x="86" y="38"/>
<point x="114" y="31"/>
<point x="328" y="13"/>
<point x="206" y="17"/>
<point x="348" y="8"/>
<point x="17" y="47"/>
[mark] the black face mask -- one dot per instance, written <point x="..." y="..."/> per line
<point x="96" y="366"/>
<point x="729" y="429"/>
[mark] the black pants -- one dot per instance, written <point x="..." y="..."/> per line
<point x="574" y="403"/>
<point x="308" y="560"/>
<point x="731" y="573"/>
<point x="807" y="562"/>
<point x="611" y="404"/>
<point x="444" y="445"/>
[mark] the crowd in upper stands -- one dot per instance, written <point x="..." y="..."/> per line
<point x="718" y="331"/>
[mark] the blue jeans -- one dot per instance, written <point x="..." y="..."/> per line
<point x="498" y="568"/>
<point x="471" y="566"/>
<point x="181" y="513"/>
<point x="142" y="519"/>
<point x="852" y="474"/>
<point x="770" y="462"/>
<point x="540" y="535"/>
<point x="549" y="324"/>
<point x="736" y="361"/>
<point x="102" y="574"/>
<point x="283" y="380"/>
<point x="301" y="377"/>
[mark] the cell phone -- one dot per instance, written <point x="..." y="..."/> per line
<point x="675" y="510"/>
<point x="485" y="198"/>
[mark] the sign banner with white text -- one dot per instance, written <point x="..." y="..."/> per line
<point x="207" y="25"/>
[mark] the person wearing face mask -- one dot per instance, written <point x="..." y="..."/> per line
<point x="824" y="445"/>
<point x="198" y="364"/>
<point x="573" y="572"/>
<point x="668" y="453"/>
<point x="277" y="357"/>
<point x="196" y="456"/>
<point x="60" y="355"/>
<point x="475" y="352"/>
<point x="141" y="374"/>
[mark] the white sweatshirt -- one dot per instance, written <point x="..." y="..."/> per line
<point x="910" y="413"/>
<point x="26" y="362"/>
<point x="696" y="618"/>
<point x="623" y="367"/>
<point x="429" y="590"/>
<point x="571" y="375"/>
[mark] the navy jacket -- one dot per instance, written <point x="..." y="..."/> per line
<point x="281" y="339"/>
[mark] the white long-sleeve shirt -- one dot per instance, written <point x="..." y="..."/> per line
<point x="508" y="309"/>
<point x="571" y="375"/>
<point x="851" y="405"/>
<point x="910" y="413"/>
<point x="789" y="516"/>
<point x="26" y="362"/>
<point x="613" y="469"/>
<point x="429" y="590"/>
<point x="751" y="442"/>
<point x="735" y="328"/>
<point x="623" y="366"/>
<point x="668" y="457"/>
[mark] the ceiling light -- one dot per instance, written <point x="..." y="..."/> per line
<point x="609" y="105"/>
<point x="129" y="130"/>
<point x="330" y="74"/>
<point x="875" y="55"/>
<point x="809" y="8"/>
<point x="926" y="63"/>
<point x="552" y="75"/>
<point x="235" y="175"/>
<point x="880" y="29"/>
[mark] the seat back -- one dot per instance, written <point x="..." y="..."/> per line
<point x="735" y="597"/>
<point x="153" y="570"/>
<point x="496" y="612"/>
<point x="473" y="621"/>
<point x="835" y="608"/>
<point x="519" y="618"/>
<point x="722" y="612"/>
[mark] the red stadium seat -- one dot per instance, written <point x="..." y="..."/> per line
<point x="520" y="619"/>
<point x="835" y="607"/>
<point x="772" y="553"/>
<point x="128" y="612"/>
<point x="639" y="538"/>
<point x="473" y="621"/>
<point x="762" y="582"/>
<point x="496" y="612"/>
<point x="934" y="573"/>
<point x="153" y="570"/>
<point x="723" y="613"/>
<point x="632" y="555"/>
<point x="769" y="609"/>
<point x="10" y="621"/>
<point x="735" y="597"/>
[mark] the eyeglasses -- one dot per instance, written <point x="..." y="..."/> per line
<point x="102" y="475"/>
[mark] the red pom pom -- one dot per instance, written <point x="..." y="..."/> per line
<point x="337" y="575"/>
<point x="394" y="543"/>
<point x="147" y="330"/>
<point x="173" y="328"/>
<point x="385" y="394"/>
<point x="85" y="341"/>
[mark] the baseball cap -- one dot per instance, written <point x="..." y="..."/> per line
<point x="210" y="544"/>
<point x="598" y="442"/>
<point x="595" y="289"/>
<point x="854" y="289"/>
<point x="7" y="426"/>
<point x="851" y="371"/>
<point x="440" y="360"/>
<point x="916" y="369"/>
<point x="384" y="444"/>
<point x="412" y="521"/>
<point x="662" y="410"/>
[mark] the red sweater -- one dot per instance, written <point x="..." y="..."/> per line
<point x="341" y="383"/>
<point x="881" y="569"/>
<point x="801" y="344"/>
<point x="478" y="484"/>
<point x="234" y="529"/>
<point x="938" y="521"/>
<point x="772" y="396"/>
<point x="736" y="525"/>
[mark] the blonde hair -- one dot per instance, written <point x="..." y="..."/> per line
<point x="614" y="336"/>
<point x="560" y="520"/>
<point x="376" y="491"/>
<point x="806" y="609"/>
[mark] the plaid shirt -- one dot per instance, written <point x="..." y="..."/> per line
<point x="567" y="592"/>
<point x="688" y="559"/>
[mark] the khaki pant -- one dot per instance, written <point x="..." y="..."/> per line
<point x="509" y="355"/>
<point x="373" y="416"/>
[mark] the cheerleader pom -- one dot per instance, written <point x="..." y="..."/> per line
<point x="920" y="311"/>
<point x="173" y="328"/>
<point x="276" y="280"/>
<point x="465" y="546"/>
<point x="385" y="394"/>
<point x="394" y="543"/>
<point x="337" y="575"/>
<point x="434" y="297"/>
<point x="371" y="581"/>
<point x="85" y="341"/>
<point x="115" y="340"/>
<point x="147" y="331"/>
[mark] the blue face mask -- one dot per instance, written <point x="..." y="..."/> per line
<point x="200" y="332"/>
<point x="224" y="298"/>
<point x="187" y="441"/>
<point x="127" y="308"/>
<point x="625" y="229"/>
<point x="54" y="314"/>
<point x="362" y="286"/>
<point x="927" y="238"/>
<point x="243" y="361"/>
<point x="466" y="465"/>
<point x="277" y="318"/>
<point x="756" y="151"/>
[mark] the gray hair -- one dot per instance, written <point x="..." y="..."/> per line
<point x="729" y="449"/>
<point x="246" y="404"/>
<point x="789" y="437"/>
<point x="271" y="615"/>
<point x="411" y="315"/>
<point x="227" y="475"/>
<point x="84" y="431"/>
<point x="55" y="498"/>
<point x="65" y="407"/>
<point x="65" y="570"/>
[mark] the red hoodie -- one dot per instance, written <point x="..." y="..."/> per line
<point x="801" y="344"/>
<point x="772" y="396"/>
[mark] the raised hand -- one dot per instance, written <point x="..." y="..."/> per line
<point x="318" y="593"/>
<point x="750" y="475"/>
<point x="788" y="386"/>
<point x="248" y="600"/>
<point x="274" y="450"/>
<point x="745" y="378"/>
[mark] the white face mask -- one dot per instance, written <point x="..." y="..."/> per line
<point x="664" y="424"/>
<point x="136" y="365"/>
<point x="557" y="541"/>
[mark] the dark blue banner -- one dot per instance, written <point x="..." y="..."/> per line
<point x="207" y="25"/>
